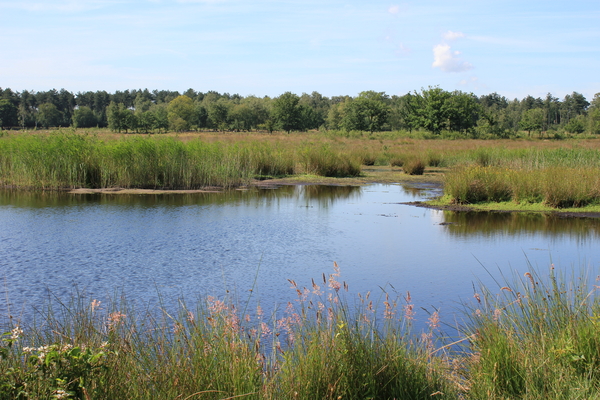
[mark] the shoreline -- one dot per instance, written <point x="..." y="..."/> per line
<point x="474" y="208"/>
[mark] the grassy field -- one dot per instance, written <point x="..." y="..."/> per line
<point x="532" y="337"/>
<point x="548" y="173"/>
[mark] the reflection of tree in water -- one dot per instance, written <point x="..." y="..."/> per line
<point x="495" y="223"/>
<point x="328" y="194"/>
<point x="325" y="195"/>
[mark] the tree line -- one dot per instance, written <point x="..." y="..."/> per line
<point x="433" y="109"/>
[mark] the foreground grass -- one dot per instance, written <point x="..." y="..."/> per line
<point x="533" y="337"/>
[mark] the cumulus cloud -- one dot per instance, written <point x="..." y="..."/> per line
<point x="449" y="61"/>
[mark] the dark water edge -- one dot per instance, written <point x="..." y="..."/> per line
<point x="157" y="249"/>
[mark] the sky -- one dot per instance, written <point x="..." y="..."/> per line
<point x="335" y="47"/>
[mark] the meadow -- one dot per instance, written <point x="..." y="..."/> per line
<point x="534" y="336"/>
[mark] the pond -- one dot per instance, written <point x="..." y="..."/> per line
<point x="155" y="248"/>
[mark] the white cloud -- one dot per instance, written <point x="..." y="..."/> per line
<point x="449" y="61"/>
<point x="394" y="10"/>
<point x="450" y="36"/>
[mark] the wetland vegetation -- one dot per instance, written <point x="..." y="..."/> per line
<point x="534" y="336"/>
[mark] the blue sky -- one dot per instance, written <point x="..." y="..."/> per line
<point x="265" y="47"/>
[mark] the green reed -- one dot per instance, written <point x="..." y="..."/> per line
<point x="537" y="338"/>
<point x="557" y="187"/>
<point x="315" y="347"/>
<point x="68" y="160"/>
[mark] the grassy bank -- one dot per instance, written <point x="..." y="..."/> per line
<point x="533" y="337"/>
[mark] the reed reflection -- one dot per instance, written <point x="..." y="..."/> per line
<point x="513" y="224"/>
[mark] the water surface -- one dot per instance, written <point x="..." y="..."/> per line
<point x="193" y="245"/>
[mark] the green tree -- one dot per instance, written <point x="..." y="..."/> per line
<point x="181" y="113"/>
<point x="49" y="115"/>
<point x="218" y="113"/>
<point x="120" y="118"/>
<point x="594" y="115"/>
<point x="287" y="112"/>
<point x="335" y="116"/>
<point x="27" y="110"/>
<point x="160" y="117"/>
<point x="84" y="117"/>
<point x="8" y="114"/>
<point x="373" y="109"/>
<point x="463" y="111"/>
<point x="430" y="110"/>
<point x="532" y="120"/>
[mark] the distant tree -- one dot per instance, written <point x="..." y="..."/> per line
<point x="8" y="114"/>
<point x="181" y="113"/>
<point x="160" y="116"/>
<point x="201" y="114"/>
<point x="287" y="112"/>
<point x="572" y="105"/>
<point x="430" y="109"/>
<point x="120" y="118"/>
<point x="352" y="117"/>
<point x="463" y="110"/>
<point x="84" y="117"/>
<point x="594" y="115"/>
<point x="218" y="113"/>
<point x="532" y="120"/>
<point x="27" y="110"/>
<point x="315" y="108"/>
<point x="576" y="125"/>
<point x="335" y="116"/>
<point x="49" y="115"/>
<point x="373" y="109"/>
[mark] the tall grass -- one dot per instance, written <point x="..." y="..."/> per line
<point x="557" y="187"/>
<point x="67" y="160"/>
<point x="535" y="336"/>
<point x="318" y="347"/>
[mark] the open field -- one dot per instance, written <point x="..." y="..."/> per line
<point x="531" y="337"/>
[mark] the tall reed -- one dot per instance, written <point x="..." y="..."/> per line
<point x="318" y="347"/>
<point x="537" y="338"/>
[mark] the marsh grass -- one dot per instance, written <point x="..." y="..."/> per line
<point x="69" y="160"/>
<point x="557" y="187"/>
<point x="317" y="347"/>
<point x="535" y="336"/>
<point x="414" y="166"/>
<point x="323" y="160"/>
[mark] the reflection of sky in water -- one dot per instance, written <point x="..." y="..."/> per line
<point x="194" y="245"/>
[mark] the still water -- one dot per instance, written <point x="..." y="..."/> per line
<point x="194" y="245"/>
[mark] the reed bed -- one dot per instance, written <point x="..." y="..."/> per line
<point x="556" y="187"/>
<point x="69" y="160"/>
<point x="316" y="347"/>
<point x="538" y="338"/>
<point x="534" y="336"/>
<point x="193" y="160"/>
